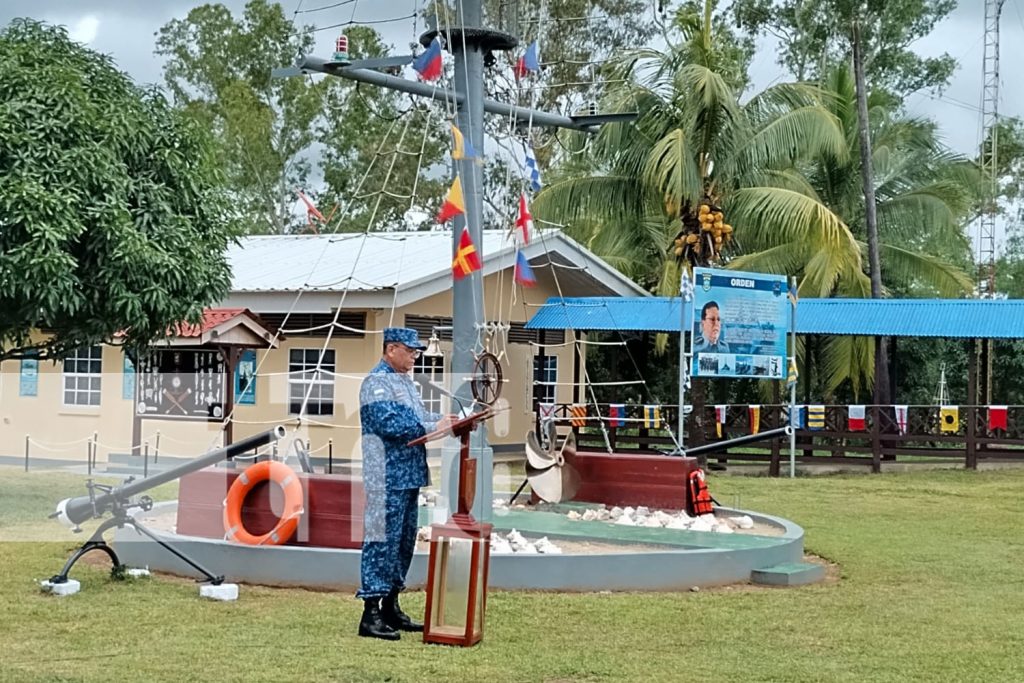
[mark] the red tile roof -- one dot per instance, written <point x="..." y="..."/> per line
<point x="212" y="317"/>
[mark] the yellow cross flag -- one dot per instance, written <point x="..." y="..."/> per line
<point x="949" y="419"/>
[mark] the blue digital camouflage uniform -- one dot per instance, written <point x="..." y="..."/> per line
<point x="391" y="414"/>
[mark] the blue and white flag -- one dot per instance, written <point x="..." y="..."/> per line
<point x="796" y="416"/>
<point x="532" y="169"/>
<point x="686" y="285"/>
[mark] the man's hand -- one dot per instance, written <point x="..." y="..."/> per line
<point x="445" y="423"/>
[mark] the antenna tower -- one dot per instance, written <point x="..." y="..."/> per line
<point x="942" y="393"/>
<point x="989" y="150"/>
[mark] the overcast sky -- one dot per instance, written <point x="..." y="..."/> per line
<point x="125" y="30"/>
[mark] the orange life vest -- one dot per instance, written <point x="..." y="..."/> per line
<point x="700" y="497"/>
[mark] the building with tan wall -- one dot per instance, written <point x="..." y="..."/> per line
<point x="315" y="300"/>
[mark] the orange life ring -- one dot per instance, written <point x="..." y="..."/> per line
<point x="283" y="476"/>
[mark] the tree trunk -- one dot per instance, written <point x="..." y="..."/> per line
<point x="870" y="215"/>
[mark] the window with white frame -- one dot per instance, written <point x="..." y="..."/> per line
<point x="429" y="370"/>
<point x="83" y="373"/>
<point x="545" y="369"/>
<point x="305" y="378"/>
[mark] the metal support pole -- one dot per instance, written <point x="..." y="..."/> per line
<point x="156" y="448"/>
<point x="145" y="461"/>
<point x="681" y="418"/>
<point x="971" y="450"/>
<point x="26" y="451"/>
<point x="458" y="96"/>
<point x="792" y="389"/>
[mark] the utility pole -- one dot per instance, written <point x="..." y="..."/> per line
<point x="469" y="43"/>
<point x="989" y="150"/>
<point x="990" y="173"/>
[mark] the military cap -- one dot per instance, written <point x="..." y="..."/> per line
<point x="405" y="336"/>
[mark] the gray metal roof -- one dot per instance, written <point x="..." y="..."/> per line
<point x="381" y="268"/>
<point x="954" y="318"/>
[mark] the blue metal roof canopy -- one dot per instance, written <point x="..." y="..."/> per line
<point x="956" y="318"/>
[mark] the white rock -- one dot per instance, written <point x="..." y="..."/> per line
<point x="629" y="511"/>
<point x="575" y="516"/>
<point x="527" y="549"/>
<point x="615" y="512"/>
<point x="662" y="517"/>
<point x="652" y="522"/>
<point x="518" y="541"/>
<point x="604" y="515"/>
<point x="546" y="547"/>
<point x="678" y="523"/>
<point x="709" y="517"/>
<point x="499" y="504"/>
<point x="701" y="524"/>
<point x="744" y="522"/>
<point x="590" y="515"/>
<point x="625" y="520"/>
<point x="421" y="500"/>
<point x="643" y="511"/>
<point x="423" y="534"/>
<point x="499" y="546"/>
<point x="723" y="529"/>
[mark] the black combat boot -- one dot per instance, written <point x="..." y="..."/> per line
<point x="372" y="625"/>
<point x="394" y="616"/>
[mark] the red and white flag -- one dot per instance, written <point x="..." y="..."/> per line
<point x="857" y="422"/>
<point x="901" y="418"/>
<point x="996" y="418"/>
<point x="524" y="221"/>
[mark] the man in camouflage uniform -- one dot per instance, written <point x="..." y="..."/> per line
<point x="391" y="413"/>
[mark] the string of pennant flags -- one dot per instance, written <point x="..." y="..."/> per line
<point x="809" y="417"/>
<point x="812" y="417"/>
<point x="429" y="65"/>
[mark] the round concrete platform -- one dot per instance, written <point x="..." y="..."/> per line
<point x="669" y="559"/>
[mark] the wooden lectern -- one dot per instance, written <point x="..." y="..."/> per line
<point x="460" y="552"/>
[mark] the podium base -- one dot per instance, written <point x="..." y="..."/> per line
<point x="484" y="495"/>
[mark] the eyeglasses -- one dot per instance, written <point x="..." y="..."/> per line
<point x="416" y="353"/>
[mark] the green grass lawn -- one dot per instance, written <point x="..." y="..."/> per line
<point x="929" y="587"/>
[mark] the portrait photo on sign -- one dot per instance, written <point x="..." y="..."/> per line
<point x="740" y="323"/>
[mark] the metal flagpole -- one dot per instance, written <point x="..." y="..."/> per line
<point x="467" y="301"/>
<point x="685" y="296"/>
<point x="792" y="389"/>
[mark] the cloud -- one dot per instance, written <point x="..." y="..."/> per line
<point x="85" y="29"/>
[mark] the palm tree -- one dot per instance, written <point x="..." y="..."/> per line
<point x="654" y="195"/>
<point x="782" y="166"/>
<point x="923" y="195"/>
